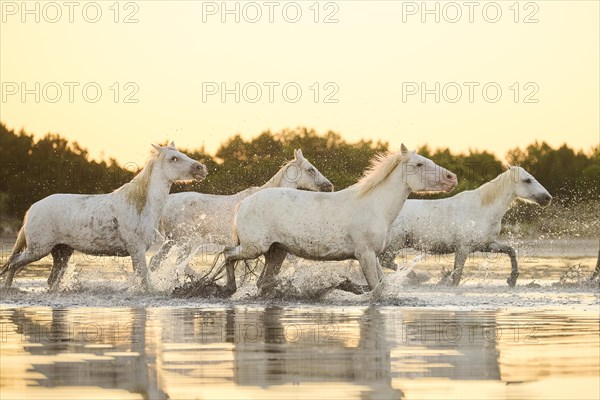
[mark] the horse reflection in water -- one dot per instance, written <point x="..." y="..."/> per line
<point x="188" y="352"/>
<point x="129" y="365"/>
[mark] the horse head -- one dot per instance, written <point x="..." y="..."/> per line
<point x="526" y="187"/>
<point x="423" y="175"/>
<point x="301" y="174"/>
<point x="176" y="166"/>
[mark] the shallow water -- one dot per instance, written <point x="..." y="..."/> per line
<point x="297" y="351"/>
<point x="101" y="338"/>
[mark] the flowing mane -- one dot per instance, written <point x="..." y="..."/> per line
<point x="136" y="191"/>
<point x="489" y="191"/>
<point x="278" y="177"/>
<point x="382" y="165"/>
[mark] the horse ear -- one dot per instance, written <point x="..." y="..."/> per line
<point x="298" y="154"/>
<point x="403" y="149"/>
<point x="156" y="147"/>
<point x="172" y="144"/>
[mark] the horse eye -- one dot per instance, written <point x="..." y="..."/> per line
<point x="311" y="170"/>
<point x="527" y="180"/>
<point x="420" y="164"/>
<point x="174" y="158"/>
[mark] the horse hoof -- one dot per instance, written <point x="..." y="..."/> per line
<point x="377" y="292"/>
<point x="268" y="289"/>
<point x="511" y="280"/>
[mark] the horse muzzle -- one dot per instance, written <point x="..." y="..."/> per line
<point x="199" y="171"/>
<point x="449" y="185"/>
<point x="450" y="182"/>
<point x="544" y="200"/>
<point x="326" y="187"/>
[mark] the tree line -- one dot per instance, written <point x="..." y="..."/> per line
<point x="33" y="169"/>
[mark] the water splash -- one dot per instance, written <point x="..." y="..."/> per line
<point x="171" y="272"/>
<point x="70" y="278"/>
<point x="77" y="278"/>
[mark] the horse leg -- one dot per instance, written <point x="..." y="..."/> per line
<point x="29" y="255"/>
<point x="372" y="270"/>
<point x="496" y="247"/>
<point x="138" y="259"/>
<point x="236" y="253"/>
<point x="230" y="268"/>
<point x="160" y="256"/>
<point x="459" y="262"/>
<point x="273" y="260"/>
<point x="60" y="255"/>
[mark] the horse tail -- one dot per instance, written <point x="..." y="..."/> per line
<point x="20" y="244"/>
<point x="235" y="238"/>
<point x="234" y="234"/>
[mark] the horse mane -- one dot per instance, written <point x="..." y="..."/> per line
<point x="382" y="165"/>
<point x="278" y="174"/>
<point x="136" y="191"/>
<point x="489" y="191"/>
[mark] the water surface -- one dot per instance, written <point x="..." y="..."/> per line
<point x="297" y="351"/>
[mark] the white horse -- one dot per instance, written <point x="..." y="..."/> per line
<point x="350" y="224"/>
<point x="121" y="223"/>
<point x="465" y="223"/>
<point x="191" y="218"/>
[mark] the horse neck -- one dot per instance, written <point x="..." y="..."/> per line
<point x="389" y="196"/>
<point x="149" y="190"/>
<point x="504" y="195"/>
<point x="277" y="180"/>
<point x="158" y="190"/>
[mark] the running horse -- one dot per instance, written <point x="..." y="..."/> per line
<point x="353" y="223"/>
<point x="122" y="223"/>
<point x="465" y="223"/>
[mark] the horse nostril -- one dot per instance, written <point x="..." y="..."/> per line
<point x="548" y="197"/>
<point x="328" y="187"/>
<point x="199" y="169"/>
<point x="449" y="176"/>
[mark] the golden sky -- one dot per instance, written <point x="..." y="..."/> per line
<point x="372" y="58"/>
